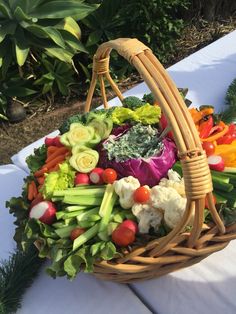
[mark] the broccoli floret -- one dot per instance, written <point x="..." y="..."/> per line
<point x="65" y="127"/>
<point x="149" y="98"/>
<point x="132" y="102"/>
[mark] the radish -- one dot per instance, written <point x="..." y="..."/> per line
<point x="130" y="224"/>
<point x="81" y="178"/>
<point x="49" y="141"/>
<point x="57" y="142"/>
<point x="216" y="162"/>
<point x="44" y="211"/>
<point x="96" y="176"/>
<point x="53" y="141"/>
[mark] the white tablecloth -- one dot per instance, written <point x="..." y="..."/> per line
<point x="208" y="287"/>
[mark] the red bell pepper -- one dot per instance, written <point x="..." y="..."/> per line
<point x="205" y="127"/>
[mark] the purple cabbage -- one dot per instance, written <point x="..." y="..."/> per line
<point x="148" y="171"/>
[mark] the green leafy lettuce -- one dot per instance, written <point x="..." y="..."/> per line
<point x="58" y="180"/>
<point x="146" y="114"/>
<point x="37" y="160"/>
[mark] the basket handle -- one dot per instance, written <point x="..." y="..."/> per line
<point x="197" y="177"/>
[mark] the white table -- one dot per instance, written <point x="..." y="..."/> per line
<point x="208" y="287"/>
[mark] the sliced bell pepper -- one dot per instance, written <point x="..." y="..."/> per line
<point x="214" y="137"/>
<point x="205" y="127"/>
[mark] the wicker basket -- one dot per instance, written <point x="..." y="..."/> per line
<point x="178" y="249"/>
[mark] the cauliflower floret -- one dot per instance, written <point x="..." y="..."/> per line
<point x="147" y="216"/>
<point x="171" y="202"/>
<point x="125" y="188"/>
<point x="174" y="181"/>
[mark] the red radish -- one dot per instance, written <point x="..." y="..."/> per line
<point x="123" y="236"/>
<point x="216" y="163"/>
<point x="49" y="141"/>
<point x="57" y="142"/>
<point x="130" y="224"/>
<point x="96" y="176"/>
<point x="44" y="211"/>
<point x="39" y="198"/>
<point x="75" y="233"/>
<point x="81" y="178"/>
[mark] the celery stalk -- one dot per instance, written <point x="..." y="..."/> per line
<point x="75" y="208"/>
<point x="65" y="232"/>
<point x="82" y="200"/>
<point x="79" y="192"/>
<point x="105" y="211"/>
<point x="86" y="236"/>
<point x="86" y="215"/>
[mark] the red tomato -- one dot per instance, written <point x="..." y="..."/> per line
<point x="75" y="233"/>
<point x="233" y="136"/>
<point x="141" y="195"/>
<point x="209" y="148"/>
<point x="206" y="202"/>
<point x="109" y="175"/>
<point x="226" y="139"/>
<point x="123" y="236"/>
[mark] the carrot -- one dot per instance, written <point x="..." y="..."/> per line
<point x="50" y="150"/>
<point x="30" y="195"/>
<point x="40" y="172"/>
<point x="58" y="152"/>
<point x="54" y="168"/>
<point x="35" y="191"/>
<point x="55" y="161"/>
<point x="41" y="180"/>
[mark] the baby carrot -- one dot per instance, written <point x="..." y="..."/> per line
<point x="58" y="152"/>
<point x="35" y="191"/>
<point x="30" y="195"/>
<point x="52" y="163"/>
<point x="41" y="179"/>
<point x="40" y="172"/>
<point x="50" y="150"/>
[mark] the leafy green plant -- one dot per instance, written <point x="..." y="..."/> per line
<point x="154" y="22"/>
<point x="57" y="76"/>
<point x="40" y="26"/>
<point x="38" y="40"/>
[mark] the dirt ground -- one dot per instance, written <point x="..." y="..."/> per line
<point x="47" y="118"/>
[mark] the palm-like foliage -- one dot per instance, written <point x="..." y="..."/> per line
<point x="40" y="25"/>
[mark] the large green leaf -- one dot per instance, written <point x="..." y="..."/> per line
<point x="71" y="26"/>
<point x="6" y="62"/>
<point x="94" y="37"/>
<point x="19" y="91"/>
<point x="5" y="10"/>
<point x="7" y="29"/>
<point x="73" y="42"/>
<point x="60" y="54"/>
<point x="62" y="9"/>
<point x="21" y="46"/>
<point x="47" y="32"/>
<point x="20" y="15"/>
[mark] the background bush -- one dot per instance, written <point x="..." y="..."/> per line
<point x="38" y="40"/>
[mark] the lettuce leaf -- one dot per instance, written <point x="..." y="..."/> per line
<point x="37" y="160"/>
<point x="58" y="180"/>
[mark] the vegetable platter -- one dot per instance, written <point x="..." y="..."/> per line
<point x="131" y="192"/>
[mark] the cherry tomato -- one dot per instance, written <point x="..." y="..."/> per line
<point x="226" y="139"/>
<point x="209" y="148"/>
<point x="141" y="195"/>
<point x="206" y="202"/>
<point x="75" y="233"/>
<point x="109" y="175"/>
<point x="123" y="236"/>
